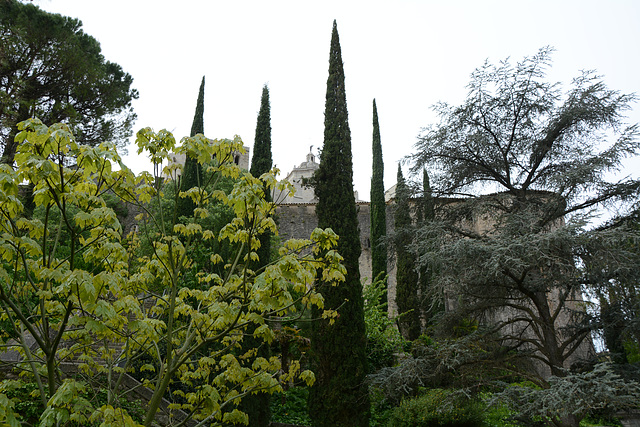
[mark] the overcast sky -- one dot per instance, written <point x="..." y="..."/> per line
<point x="408" y="55"/>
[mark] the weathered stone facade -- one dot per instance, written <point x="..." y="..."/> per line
<point x="298" y="220"/>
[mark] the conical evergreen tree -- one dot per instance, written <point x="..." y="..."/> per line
<point x="427" y="197"/>
<point x="256" y="406"/>
<point x="192" y="173"/>
<point x="339" y="396"/>
<point x="198" y="118"/>
<point x="262" y="162"/>
<point x="378" y="205"/>
<point x="406" y="275"/>
<point x="430" y="304"/>
<point x="262" y="159"/>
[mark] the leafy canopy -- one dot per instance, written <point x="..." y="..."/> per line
<point x="52" y="70"/>
<point x="516" y="132"/>
<point x="105" y="306"/>
<point x="533" y="163"/>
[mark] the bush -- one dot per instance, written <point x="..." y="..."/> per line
<point x="383" y="338"/>
<point x="437" y="407"/>
<point x="381" y="408"/>
<point x="26" y="405"/>
<point x="30" y="409"/>
<point x="290" y="407"/>
<point x="498" y="414"/>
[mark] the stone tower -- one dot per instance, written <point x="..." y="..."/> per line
<point x="298" y="177"/>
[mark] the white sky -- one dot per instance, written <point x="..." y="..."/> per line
<point x="406" y="54"/>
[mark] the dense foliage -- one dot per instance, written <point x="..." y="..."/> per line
<point x="384" y="342"/>
<point x="430" y="301"/>
<point x="436" y="408"/>
<point x="407" y="279"/>
<point x="378" y="204"/>
<point x="291" y="407"/>
<point x="106" y="306"/>
<point x="532" y="164"/>
<point x="51" y="69"/>
<point x="262" y="160"/>
<point x="618" y="290"/>
<point x="340" y="396"/>
<point x="258" y="406"/>
<point x="192" y="173"/>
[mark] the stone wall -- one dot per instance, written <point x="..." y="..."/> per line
<point x="298" y="220"/>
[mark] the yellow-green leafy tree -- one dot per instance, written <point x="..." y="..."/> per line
<point x="94" y="304"/>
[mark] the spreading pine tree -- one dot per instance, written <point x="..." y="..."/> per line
<point x="378" y="205"/>
<point x="192" y="173"/>
<point x="406" y="274"/>
<point x="339" y="396"/>
<point x="256" y="406"/>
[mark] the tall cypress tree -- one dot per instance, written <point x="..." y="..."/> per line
<point x="192" y="173"/>
<point x="427" y="197"/>
<point x="256" y="406"/>
<point x="262" y="159"/>
<point x="406" y="275"/>
<point x="378" y="205"/>
<point x="339" y="396"/>
<point x="430" y="304"/>
<point x="262" y="162"/>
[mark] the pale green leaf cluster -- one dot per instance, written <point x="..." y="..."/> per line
<point x="86" y="294"/>
<point x="8" y="415"/>
<point x="67" y="404"/>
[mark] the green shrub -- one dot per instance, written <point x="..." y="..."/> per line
<point x="381" y="408"/>
<point x="437" y="407"/>
<point x="594" y="421"/>
<point x="290" y="407"/>
<point x="498" y="415"/>
<point x="26" y="405"/>
<point x="30" y="408"/>
<point x="383" y="338"/>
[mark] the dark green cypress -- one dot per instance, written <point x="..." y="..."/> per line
<point x="339" y="396"/>
<point x="430" y="303"/>
<point x="406" y="275"/>
<point x="427" y="197"/>
<point x="198" y="118"/>
<point x="378" y="205"/>
<point x="192" y="172"/>
<point x="262" y="162"/>
<point x="257" y="406"/>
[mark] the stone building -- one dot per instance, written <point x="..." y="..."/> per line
<point x="299" y="177"/>
<point x="297" y="218"/>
